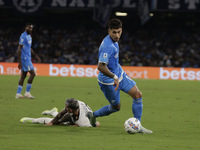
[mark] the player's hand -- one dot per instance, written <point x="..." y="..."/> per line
<point x="20" y="65"/>
<point x="116" y="84"/>
<point x="97" y="124"/>
<point x="38" y="59"/>
<point x="49" y="124"/>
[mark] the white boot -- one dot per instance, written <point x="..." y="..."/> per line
<point x="52" y="112"/>
<point x="145" y="131"/>
<point x="26" y="120"/>
<point x="18" y="95"/>
<point x="28" y="95"/>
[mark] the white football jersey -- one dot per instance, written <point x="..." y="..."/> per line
<point x="83" y="120"/>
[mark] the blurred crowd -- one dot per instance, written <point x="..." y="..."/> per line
<point x="168" y="46"/>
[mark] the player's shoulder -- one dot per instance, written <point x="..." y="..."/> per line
<point x="107" y="41"/>
<point x="107" y="44"/>
<point x="81" y="103"/>
<point x="23" y="35"/>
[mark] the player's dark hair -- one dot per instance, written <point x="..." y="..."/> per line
<point x="114" y="24"/>
<point x="72" y="103"/>
<point x="28" y="24"/>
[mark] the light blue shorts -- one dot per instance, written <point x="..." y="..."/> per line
<point x="27" y="65"/>
<point x="109" y="90"/>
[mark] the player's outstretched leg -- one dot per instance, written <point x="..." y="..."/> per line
<point x="92" y="119"/>
<point x="53" y="112"/>
<point x="42" y="120"/>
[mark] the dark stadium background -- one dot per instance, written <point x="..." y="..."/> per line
<point x="70" y="35"/>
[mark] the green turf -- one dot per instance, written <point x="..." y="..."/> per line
<point x="171" y="110"/>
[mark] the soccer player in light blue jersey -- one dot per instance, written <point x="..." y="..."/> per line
<point x="25" y="64"/>
<point x="112" y="78"/>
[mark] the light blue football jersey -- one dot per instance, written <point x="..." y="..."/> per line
<point x="109" y="54"/>
<point x="26" y="41"/>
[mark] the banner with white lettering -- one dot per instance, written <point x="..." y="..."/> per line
<point x="176" y="5"/>
<point x="35" y="6"/>
<point x="135" y="72"/>
<point x="31" y="6"/>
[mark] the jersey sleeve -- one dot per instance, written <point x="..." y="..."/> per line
<point x="22" y="40"/>
<point x="105" y="54"/>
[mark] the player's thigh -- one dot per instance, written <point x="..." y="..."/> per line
<point x="111" y="95"/>
<point x="23" y="74"/>
<point x="27" y="65"/>
<point x="127" y="83"/>
<point x="32" y="72"/>
<point x="134" y="92"/>
<point x="129" y="86"/>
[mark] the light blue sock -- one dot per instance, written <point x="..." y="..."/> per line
<point x="104" y="111"/>
<point x="137" y="107"/>
<point x="28" y="87"/>
<point x="19" y="89"/>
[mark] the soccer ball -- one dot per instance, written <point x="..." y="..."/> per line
<point x="132" y="125"/>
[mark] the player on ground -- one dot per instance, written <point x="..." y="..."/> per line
<point x="74" y="113"/>
<point x="24" y="57"/>
<point x="112" y="78"/>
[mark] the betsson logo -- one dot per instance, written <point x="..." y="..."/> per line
<point x="179" y="74"/>
<point x="73" y="71"/>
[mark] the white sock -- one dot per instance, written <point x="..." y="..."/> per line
<point x="43" y="120"/>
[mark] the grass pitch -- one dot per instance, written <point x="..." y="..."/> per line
<point x="171" y="110"/>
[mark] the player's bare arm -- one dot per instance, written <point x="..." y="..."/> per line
<point x="104" y="69"/>
<point x="35" y="55"/>
<point x="56" y="121"/>
<point x="19" y="56"/>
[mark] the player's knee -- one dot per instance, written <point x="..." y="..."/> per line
<point x="23" y="76"/>
<point x="117" y="107"/>
<point x="138" y="95"/>
<point x="33" y="74"/>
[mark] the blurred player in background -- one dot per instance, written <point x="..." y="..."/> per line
<point x="74" y="113"/>
<point x="112" y="78"/>
<point x="24" y="57"/>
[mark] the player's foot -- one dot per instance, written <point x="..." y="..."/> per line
<point x="145" y="131"/>
<point x="49" y="112"/>
<point x="26" y="120"/>
<point x="92" y="119"/>
<point x="18" y="95"/>
<point x="28" y="95"/>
